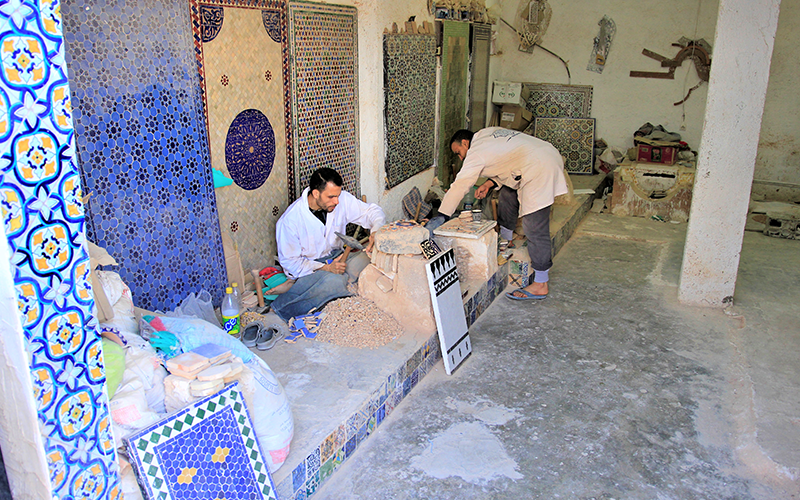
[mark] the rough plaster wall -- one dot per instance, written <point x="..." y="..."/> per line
<point x="20" y="438"/>
<point x="621" y="104"/>
<point x="373" y="17"/>
<point x="779" y="148"/>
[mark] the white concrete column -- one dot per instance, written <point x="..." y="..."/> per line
<point x="738" y="85"/>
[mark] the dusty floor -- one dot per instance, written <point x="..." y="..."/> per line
<point x="608" y="388"/>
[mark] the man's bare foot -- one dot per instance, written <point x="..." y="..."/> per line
<point x="533" y="289"/>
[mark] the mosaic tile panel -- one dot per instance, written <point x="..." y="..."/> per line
<point x="479" y="75"/>
<point x="207" y="450"/>
<point x="550" y="100"/>
<point x="452" y="94"/>
<point x="324" y="79"/>
<point x="142" y="146"/>
<point x="246" y="118"/>
<point x="409" y="63"/>
<point x="45" y="227"/>
<point x="572" y="137"/>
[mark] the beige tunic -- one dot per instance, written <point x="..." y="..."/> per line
<point x="531" y="166"/>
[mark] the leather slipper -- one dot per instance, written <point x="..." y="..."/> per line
<point x="528" y="295"/>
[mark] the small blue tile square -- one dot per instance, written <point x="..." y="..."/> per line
<point x="350" y="447"/>
<point x="380" y="414"/>
<point x="312" y="462"/>
<point x="299" y="476"/>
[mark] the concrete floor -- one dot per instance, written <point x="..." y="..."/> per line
<point x="609" y="388"/>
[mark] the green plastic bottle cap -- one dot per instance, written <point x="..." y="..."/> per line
<point x="229" y="290"/>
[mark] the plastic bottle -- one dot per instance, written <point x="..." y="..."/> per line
<point x="230" y="313"/>
<point x="237" y="294"/>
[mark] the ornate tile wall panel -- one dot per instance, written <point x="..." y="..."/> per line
<point x="43" y="221"/>
<point x="573" y="137"/>
<point x="324" y="78"/>
<point x="479" y="75"/>
<point x="243" y="53"/>
<point x="551" y="100"/>
<point x="207" y="450"/>
<point x="452" y="94"/>
<point x="143" y="148"/>
<point x="410" y="112"/>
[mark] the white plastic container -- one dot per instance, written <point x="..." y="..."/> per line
<point x="230" y="313"/>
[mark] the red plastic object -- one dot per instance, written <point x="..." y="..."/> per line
<point x="268" y="271"/>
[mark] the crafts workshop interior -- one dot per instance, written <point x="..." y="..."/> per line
<point x="242" y="232"/>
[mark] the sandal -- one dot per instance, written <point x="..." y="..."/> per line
<point x="527" y="295"/>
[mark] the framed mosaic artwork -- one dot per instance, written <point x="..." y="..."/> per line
<point x="207" y="450"/>
<point x="52" y="319"/>
<point x="573" y="137"/>
<point x="550" y="100"/>
<point x="410" y="104"/>
<point x="324" y="92"/>
<point x="452" y="94"/>
<point x="243" y="61"/>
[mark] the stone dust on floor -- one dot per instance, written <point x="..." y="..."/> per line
<point x="606" y="389"/>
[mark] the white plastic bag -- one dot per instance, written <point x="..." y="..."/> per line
<point x="121" y="300"/>
<point x="196" y="306"/>
<point x="129" y="409"/>
<point x="147" y="366"/>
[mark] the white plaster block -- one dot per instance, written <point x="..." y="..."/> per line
<point x="476" y="258"/>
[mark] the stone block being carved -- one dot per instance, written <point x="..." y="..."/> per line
<point x="408" y="299"/>
<point x="476" y="258"/>
<point x="401" y="237"/>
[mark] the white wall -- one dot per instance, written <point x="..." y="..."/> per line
<point x="621" y="104"/>
<point x="20" y="437"/>
<point x="779" y="147"/>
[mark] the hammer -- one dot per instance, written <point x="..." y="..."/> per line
<point x="349" y="243"/>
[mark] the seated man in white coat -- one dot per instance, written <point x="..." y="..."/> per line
<point x="309" y="250"/>
<point x="529" y="173"/>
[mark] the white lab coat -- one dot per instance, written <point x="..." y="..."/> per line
<point x="531" y="166"/>
<point x="301" y="237"/>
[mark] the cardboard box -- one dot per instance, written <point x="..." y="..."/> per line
<point x="509" y="93"/>
<point x="515" y="117"/>
<point x="666" y="155"/>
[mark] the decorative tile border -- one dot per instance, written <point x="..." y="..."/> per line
<point x="340" y="444"/>
<point x="44" y="222"/>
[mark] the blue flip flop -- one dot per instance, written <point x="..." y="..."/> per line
<point x="528" y="295"/>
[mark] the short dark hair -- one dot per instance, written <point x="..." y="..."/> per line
<point x="321" y="177"/>
<point x="461" y="135"/>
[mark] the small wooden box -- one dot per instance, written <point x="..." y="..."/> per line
<point x="666" y="155"/>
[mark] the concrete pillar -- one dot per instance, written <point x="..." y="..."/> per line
<point x="742" y="52"/>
